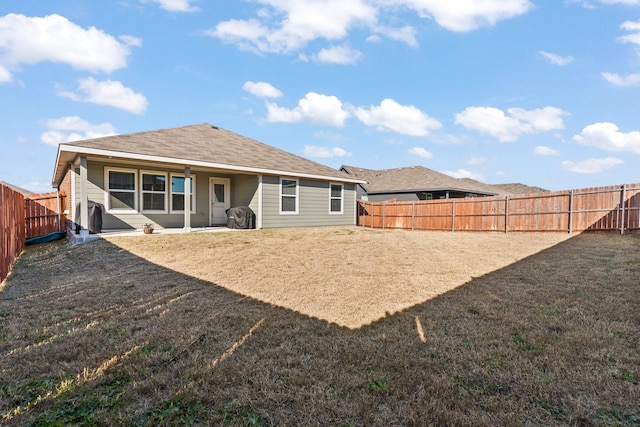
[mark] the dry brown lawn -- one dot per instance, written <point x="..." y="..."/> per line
<point x="348" y="276"/>
<point x="324" y="326"/>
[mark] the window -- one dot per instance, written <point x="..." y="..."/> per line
<point x="154" y="192"/>
<point x="288" y="196"/>
<point x="335" y="198"/>
<point x="121" y="190"/>
<point x="178" y="191"/>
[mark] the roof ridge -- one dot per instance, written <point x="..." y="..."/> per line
<point x="86" y="140"/>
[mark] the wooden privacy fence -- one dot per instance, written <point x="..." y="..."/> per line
<point x="43" y="214"/>
<point x="25" y="216"/>
<point x="12" y="229"/>
<point x="611" y="209"/>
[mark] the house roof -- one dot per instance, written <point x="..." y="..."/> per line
<point x="16" y="188"/>
<point x="502" y="191"/>
<point x="414" y="179"/>
<point x="517" y="188"/>
<point x="201" y="145"/>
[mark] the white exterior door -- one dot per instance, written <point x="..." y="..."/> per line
<point x="220" y="200"/>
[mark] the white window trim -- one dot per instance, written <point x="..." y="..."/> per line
<point x="297" y="196"/>
<point x="107" y="191"/>
<point x="193" y="203"/>
<point x="166" y="192"/>
<point x="331" y="198"/>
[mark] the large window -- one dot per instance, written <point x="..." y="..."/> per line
<point x="335" y="198"/>
<point x="154" y="192"/>
<point x="288" y="196"/>
<point x="178" y="187"/>
<point x="121" y="190"/>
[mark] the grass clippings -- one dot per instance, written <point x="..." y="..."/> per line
<point x="331" y="326"/>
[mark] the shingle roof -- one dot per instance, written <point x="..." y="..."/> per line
<point x="517" y="188"/>
<point x="412" y="179"/>
<point x="16" y="188"/>
<point x="206" y="144"/>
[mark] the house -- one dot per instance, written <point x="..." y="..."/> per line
<point x="189" y="176"/>
<point x="415" y="183"/>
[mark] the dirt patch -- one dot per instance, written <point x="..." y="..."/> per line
<point x="348" y="276"/>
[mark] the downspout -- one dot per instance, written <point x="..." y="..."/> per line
<point x="84" y="198"/>
<point x="58" y="208"/>
<point x="259" y="214"/>
<point x="188" y="188"/>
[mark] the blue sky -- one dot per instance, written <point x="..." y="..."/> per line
<point x="545" y="93"/>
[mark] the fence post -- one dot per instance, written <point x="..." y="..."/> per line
<point x="623" y="197"/>
<point x="506" y="214"/>
<point x="453" y="215"/>
<point x="413" y="204"/>
<point x="384" y="208"/>
<point x="571" y="212"/>
<point x="58" y="210"/>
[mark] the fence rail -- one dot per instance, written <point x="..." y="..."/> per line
<point x="611" y="209"/>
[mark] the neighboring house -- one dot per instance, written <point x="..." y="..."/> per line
<point x="415" y="183"/>
<point x="16" y="188"/>
<point x="517" y="188"/>
<point x="145" y="178"/>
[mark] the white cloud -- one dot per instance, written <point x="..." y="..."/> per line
<point x="406" y="34"/>
<point x="131" y="41"/>
<point x="108" y="92"/>
<point x="30" y="40"/>
<point x="262" y="90"/>
<point x="543" y="150"/>
<point x="467" y="15"/>
<point x="5" y="75"/>
<point x="625" y="2"/>
<point x="508" y="127"/>
<point x="285" y="26"/>
<point x="556" y="59"/>
<point x="73" y="128"/>
<point x="634" y="28"/>
<point x="607" y="136"/>
<point x="420" y="152"/>
<point x="463" y="173"/>
<point x="324" y="152"/>
<point x="289" y="25"/>
<point x="343" y="55"/>
<point x="403" y="119"/>
<point x="330" y="136"/>
<point x="624" y="81"/>
<point x="176" y="5"/>
<point x="314" y="108"/>
<point x="476" y="161"/>
<point x="591" y="165"/>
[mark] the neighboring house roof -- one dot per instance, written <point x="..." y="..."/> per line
<point x="201" y="145"/>
<point x="517" y="188"/>
<point x="489" y="187"/>
<point x="414" y="179"/>
<point x="16" y="188"/>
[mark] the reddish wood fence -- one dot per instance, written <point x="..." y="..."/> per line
<point x="12" y="229"/>
<point x="610" y="209"/>
<point x="25" y="216"/>
<point x="43" y="214"/>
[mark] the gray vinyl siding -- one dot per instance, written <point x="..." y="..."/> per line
<point x="244" y="191"/>
<point x="313" y="205"/>
<point x="313" y="199"/>
<point x="115" y="221"/>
